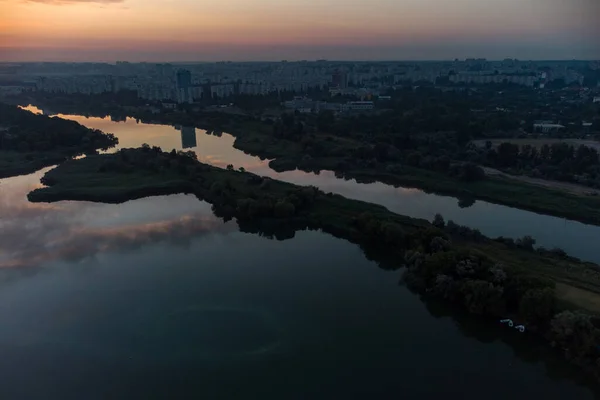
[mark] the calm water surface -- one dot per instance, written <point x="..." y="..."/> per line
<point x="157" y="298"/>
<point x="493" y="220"/>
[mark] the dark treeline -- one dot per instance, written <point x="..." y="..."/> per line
<point x="449" y="152"/>
<point x="399" y="145"/>
<point x="28" y="132"/>
<point x="558" y="161"/>
<point x="487" y="288"/>
<point x="29" y="142"/>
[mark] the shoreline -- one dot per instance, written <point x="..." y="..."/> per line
<point x="31" y="142"/>
<point x="254" y="137"/>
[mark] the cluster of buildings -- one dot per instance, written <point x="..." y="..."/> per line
<point x="185" y="83"/>
<point x="306" y="105"/>
<point x="479" y="78"/>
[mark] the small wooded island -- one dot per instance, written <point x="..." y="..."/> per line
<point x="29" y="141"/>
<point x="552" y="294"/>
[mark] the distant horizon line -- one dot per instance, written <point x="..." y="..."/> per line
<point x="300" y="61"/>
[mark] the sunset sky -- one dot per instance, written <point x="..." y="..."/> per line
<point x="200" y="30"/>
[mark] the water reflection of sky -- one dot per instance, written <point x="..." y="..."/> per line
<point x="493" y="220"/>
<point x="32" y="234"/>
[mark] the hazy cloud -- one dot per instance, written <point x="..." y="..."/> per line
<point x="33" y="234"/>
<point x="60" y="240"/>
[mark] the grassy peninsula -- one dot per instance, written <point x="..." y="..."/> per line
<point x="29" y="142"/>
<point x="554" y="295"/>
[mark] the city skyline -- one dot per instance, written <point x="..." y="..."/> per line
<point x="269" y="30"/>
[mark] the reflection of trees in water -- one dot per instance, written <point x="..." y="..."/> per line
<point x="525" y="347"/>
<point x="466" y="202"/>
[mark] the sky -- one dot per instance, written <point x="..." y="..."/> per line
<point x="270" y="30"/>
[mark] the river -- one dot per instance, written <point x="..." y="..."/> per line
<point x="577" y="239"/>
<point x="158" y="298"/>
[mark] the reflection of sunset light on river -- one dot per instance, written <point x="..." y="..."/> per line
<point x="493" y="220"/>
<point x="32" y="234"/>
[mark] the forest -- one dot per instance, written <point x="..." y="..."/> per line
<point x="29" y="142"/>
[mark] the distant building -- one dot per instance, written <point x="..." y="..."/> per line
<point x="547" y="128"/>
<point x="169" y="105"/>
<point x="358" y="106"/>
<point x="339" y="79"/>
<point x="188" y="137"/>
<point x="184" y="86"/>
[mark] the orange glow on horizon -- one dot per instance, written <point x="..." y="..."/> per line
<point x="199" y="26"/>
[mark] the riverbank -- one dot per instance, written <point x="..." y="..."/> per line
<point x="256" y="139"/>
<point x="317" y="151"/>
<point x="30" y="142"/>
<point x="490" y="278"/>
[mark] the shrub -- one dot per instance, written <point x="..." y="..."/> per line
<point x="537" y="306"/>
<point x="481" y="297"/>
<point x="438" y="221"/>
<point x="392" y="233"/>
<point x="284" y="209"/>
<point x="575" y="333"/>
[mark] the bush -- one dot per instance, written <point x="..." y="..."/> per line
<point x="467" y="172"/>
<point x="438" y="221"/>
<point x="392" y="233"/>
<point x="481" y="297"/>
<point x="526" y="243"/>
<point x="439" y="244"/>
<point x="575" y="333"/>
<point x="284" y="209"/>
<point x="537" y="306"/>
<point x="445" y="287"/>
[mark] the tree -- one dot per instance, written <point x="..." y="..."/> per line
<point x="483" y="298"/>
<point x="413" y="159"/>
<point x="230" y="167"/>
<point x="438" y="221"/>
<point x="466" y="202"/>
<point x="575" y="333"/>
<point x="325" y="120"/>
<point x="526" y="242"/>
<point x="284" y="209"/>
<point x="470" y="172"/>
<point x="392" y="233"/>
<point x="507" y="154"/>
<point x="537" y="306"/>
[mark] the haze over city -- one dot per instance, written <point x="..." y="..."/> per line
<point x="186" y="30"/>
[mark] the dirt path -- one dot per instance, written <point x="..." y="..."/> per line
<point x="579" y="190"/>
<point x="587" y="300"/>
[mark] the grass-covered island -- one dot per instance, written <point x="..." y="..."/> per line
<point x="555" y="296"/>
<point x="29" y="142"/>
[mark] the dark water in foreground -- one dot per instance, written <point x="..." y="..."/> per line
<point x="156" y="298"/>
<point x="170" y="306"/>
